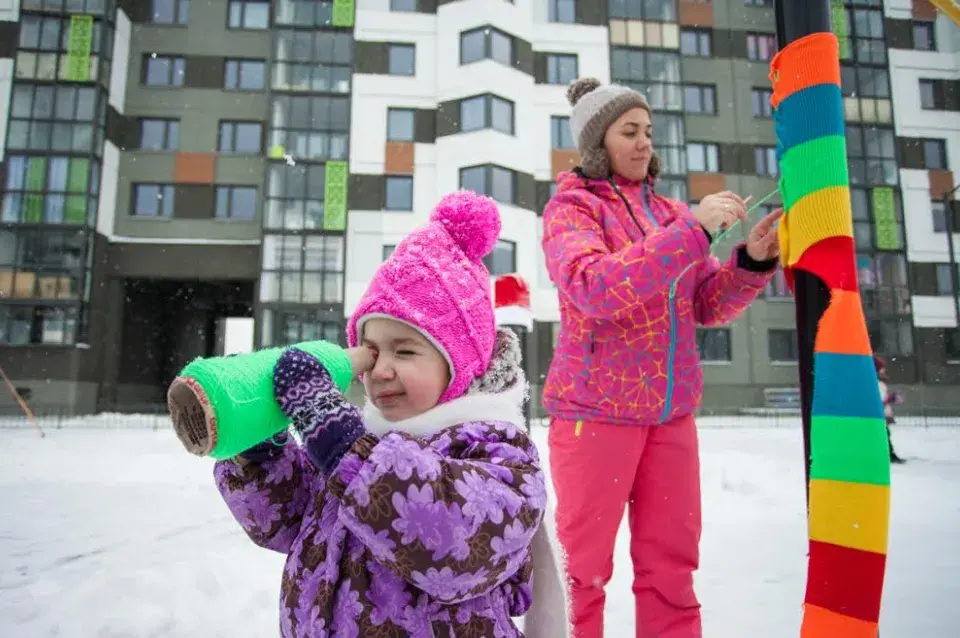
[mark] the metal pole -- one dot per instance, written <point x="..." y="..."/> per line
<point x="948" y="216"/>
<point x="794" y="21"/>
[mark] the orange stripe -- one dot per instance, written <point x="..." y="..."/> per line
<point x="842" y="328"/>
<point x="811" y="60"/>
<point x="823" y="623"/>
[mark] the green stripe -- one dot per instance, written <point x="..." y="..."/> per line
<point x="812" y="166"/>
<point x="850" y="449"/>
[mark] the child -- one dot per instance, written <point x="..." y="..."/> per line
<point x="426" y="515"/>
<point x="889" y="399"/>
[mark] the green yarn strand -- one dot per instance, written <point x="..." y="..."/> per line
<point x="240" y="391"/>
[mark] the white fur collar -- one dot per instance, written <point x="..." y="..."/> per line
<point x="504" y="406"/>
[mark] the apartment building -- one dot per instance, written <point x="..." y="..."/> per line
<point x="925" y="85"/>
<point x="172" y="168"/>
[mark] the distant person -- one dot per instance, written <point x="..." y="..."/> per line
<point x="625" y="379"/>
<point x="890" y="398"/>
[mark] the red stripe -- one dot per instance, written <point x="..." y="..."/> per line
<point x="846" y="581"/>
<point x="832" y="259"/>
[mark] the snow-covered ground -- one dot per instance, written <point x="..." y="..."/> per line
<point x="110" y="533"/>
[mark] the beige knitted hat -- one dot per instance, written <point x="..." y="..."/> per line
<point x="595" y="109"/>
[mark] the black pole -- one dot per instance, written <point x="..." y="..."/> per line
<point x="796" y="19"/>
<point x="948" y="217"/>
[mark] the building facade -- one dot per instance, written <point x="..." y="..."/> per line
<point x="170" y="167"/>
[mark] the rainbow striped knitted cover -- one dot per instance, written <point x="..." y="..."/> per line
<point x="849" y="504"/>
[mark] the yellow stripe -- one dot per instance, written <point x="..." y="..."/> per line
<point x="825" y="213"/>
<point x="578" y="428"/>
<point x="852" y="515"/>
<point x="950" y="8"/>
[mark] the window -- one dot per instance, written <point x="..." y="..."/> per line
<point x="944" y="281"/>
<point x="713" y="345"/>
<point x="758" y="3"/>
<point x="782" y="345"/>
<point x="891" y="336"/>
<point x="762" y="102"/>
<point x="303" y="13"/>
<point x="939" y="213"/>
<point x="561" y="137"/>
<point x="57" y="118"/>
<point x="495" y="181"/>
<point x="864" y="81"/>
<point x="924" y="36"/>
<point x="49" y="190"/>
<point x="248" y="14"/>
<point x="866" y="29"/>
<point x="561" y="68"/>
<point x="245" y="75"/>
<point x="761" y="46"/>
<point x="294" y="197"/>
<point x="399" y="192"/>
<point x="407" y="6"/>
<point x="244" y="138"/>
<point x="401" y="59"/>
<point x="400" y="125"/>
<point x="778" y="288"/>
<point x="170" y="12"/>
<point x="43" y="49"/>
<point x="696" y="43"/>
<point x="318" y="61"/>
<point x="297" y="324"/>
<point x="237" y="202"/>
<point x="302" y="268"/>
<point x="656" y="74"/>
<point x="486" y="111"/>
<point x="927" y="99"/>
<point x="700" y="98"/>
<point x="311" y="127"/>
<point x="765" y="160"/>
<point x="163" y="70"/>
<point x="884" y="288"/>
<point x="658" y="10"/>
<point x="935" y="154"/>
<point x="387" y="251"/>
<point x="562" y="11"/>
<point x="152" y="200"/>
<point x="503" y="259"/>
<point x="486" y="43"/>
<point x="703" y="158"/>
<point x="159" y="135"/>
<point x="871" y="152"/>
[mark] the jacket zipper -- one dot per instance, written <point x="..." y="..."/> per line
<point x="671" y="309"/>
<point x="672" y="350"/>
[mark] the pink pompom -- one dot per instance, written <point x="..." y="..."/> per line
<point x="472" y="220"/>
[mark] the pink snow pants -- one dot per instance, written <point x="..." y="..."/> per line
<point x="597" y="469"/>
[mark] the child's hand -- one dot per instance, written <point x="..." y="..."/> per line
<point x="362" y="359"/>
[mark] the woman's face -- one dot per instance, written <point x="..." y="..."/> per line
<point x="629" y="144"/>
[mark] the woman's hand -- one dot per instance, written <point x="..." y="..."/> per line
<point x="719" y="210"/>
<point x="763" y="243"/>
<point x="362" y="359"/>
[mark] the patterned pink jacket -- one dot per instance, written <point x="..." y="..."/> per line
<point x="627" y="349"/>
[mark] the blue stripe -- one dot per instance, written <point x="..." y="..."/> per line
<point x="814" y="112"/>
<point x="846" y="385"/>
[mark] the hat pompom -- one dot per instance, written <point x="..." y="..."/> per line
<point x="579" y="88"/>
<point x="472" y="220"/>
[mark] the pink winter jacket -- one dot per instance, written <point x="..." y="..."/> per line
<point x="627" y="350"/>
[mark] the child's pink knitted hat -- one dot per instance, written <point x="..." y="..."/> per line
<point x="435" y="281"/>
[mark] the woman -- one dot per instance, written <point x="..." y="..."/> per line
<point x="625" y="378"/>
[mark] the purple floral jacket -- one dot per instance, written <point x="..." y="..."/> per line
<point x="417" y="533"/>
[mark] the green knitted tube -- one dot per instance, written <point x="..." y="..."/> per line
<point x="222" y="406"/>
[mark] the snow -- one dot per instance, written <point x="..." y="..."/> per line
<point x="117" y="531"/>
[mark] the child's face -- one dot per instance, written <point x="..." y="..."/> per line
<point x="410" y="374"/>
